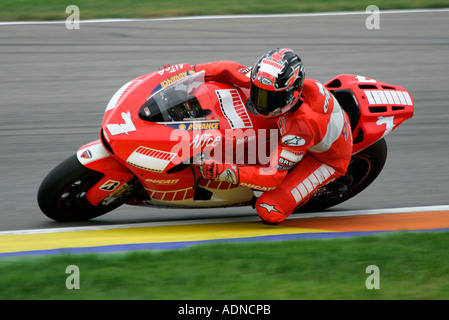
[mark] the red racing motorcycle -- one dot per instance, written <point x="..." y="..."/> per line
<point x="158" y="127"/>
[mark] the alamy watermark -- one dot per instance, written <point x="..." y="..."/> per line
<point x="73" y="20"/>
<point x="373" y="20"/>
<point x="373" y="280"/>
<point x="236" y="146"/>
<point x="73" y="280"/>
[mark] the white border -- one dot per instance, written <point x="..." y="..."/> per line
<point x="242" y="16"/>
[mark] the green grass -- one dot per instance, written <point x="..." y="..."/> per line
<point x="91" y="9"/>
<point x="412" y="266"/>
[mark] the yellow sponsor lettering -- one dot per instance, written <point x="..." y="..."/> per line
<point x="204" y="126"/>
<point x="173" y="79"/>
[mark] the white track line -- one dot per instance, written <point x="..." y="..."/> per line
<point x="242" y="16"/>
<point x="230" y="219"/>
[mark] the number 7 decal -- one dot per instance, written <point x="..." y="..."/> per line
<point x="364" y="79"/>
<point x="388" y="121"/>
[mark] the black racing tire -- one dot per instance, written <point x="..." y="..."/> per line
<point x="363" y="169"/>
<point x="62" y="194"/>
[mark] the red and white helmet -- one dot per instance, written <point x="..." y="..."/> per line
<point x="277" y="80"/>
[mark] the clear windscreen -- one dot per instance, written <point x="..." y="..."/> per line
<point x="176" y="101"/>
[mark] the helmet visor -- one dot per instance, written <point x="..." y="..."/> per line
<point x="270" y="103"/>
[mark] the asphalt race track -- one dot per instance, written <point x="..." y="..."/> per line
<point x="56" y="82"/>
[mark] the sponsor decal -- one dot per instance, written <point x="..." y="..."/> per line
<point x="205" y="140"/>
<point x="86" y="154"/>
<point x="282" y="168"/>
<point x="163" y="181"/>
<point x="204" y="126"/>
<point x="173" y="79"/>
<point x="193" y="126"/>
<point x="286" y="162"/>
<point x="92" y="153"/>
<point x="110" y="185"/>
<point x="246" y="139"/>
<point x="252" y="186"/>
<point x="291" y="140"/>
<point x="268" y="207"/>
<point x="171" y="69"/>
<point x="176" y="78"/>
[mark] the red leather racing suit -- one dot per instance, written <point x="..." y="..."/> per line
<point x="314" y="149"/>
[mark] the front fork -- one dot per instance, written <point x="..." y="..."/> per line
<point x="117" y="180"/>
<point x="124" y="191"/>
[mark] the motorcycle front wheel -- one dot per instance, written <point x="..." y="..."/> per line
<point x="62" y="194"/>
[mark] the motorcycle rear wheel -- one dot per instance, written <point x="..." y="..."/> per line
<point x="363" y="169"/>
<point x="62" y="194"/>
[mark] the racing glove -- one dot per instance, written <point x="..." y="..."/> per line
<point x="220" y="171"/>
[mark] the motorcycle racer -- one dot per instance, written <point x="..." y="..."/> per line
<point x="315" y="146"/>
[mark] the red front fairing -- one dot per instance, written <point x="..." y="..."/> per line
<point x="374" y="107"/>
<point x="154" y="150"/>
